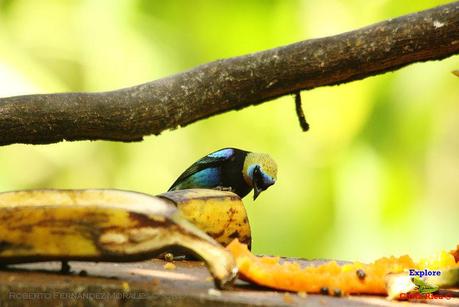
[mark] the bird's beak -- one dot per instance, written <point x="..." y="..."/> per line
<point x="256" y="192"/>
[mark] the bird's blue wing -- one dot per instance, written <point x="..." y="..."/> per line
<point x="210" y="161"/>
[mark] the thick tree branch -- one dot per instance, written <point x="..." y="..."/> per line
<point x="131" y="113"/>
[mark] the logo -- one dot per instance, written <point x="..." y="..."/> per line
<point x="424" y="296"/>
<point x="425" y="272"/>
<point x="423" y="288"/>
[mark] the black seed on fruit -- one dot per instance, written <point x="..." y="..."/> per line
<point x="324" y="290"/>
<point x="337" y="292"/>
<point x="361" y="274"/>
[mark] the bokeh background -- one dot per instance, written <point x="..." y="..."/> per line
<point x="377" y="174"/>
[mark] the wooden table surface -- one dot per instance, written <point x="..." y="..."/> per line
<point x="148" y="283"/>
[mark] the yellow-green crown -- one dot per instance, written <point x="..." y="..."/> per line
<point x="267" y="164"/>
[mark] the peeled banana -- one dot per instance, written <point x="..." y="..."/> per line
<point x="224" y="218"/>
<point x="115" y="225"/>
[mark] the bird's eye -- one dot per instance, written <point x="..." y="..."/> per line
<point x="256" y="171"/>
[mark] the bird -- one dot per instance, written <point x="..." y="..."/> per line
<point x="230" y="169"/>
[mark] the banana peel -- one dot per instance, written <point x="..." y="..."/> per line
<point x="224" y="218"/>
<point x="112" y="225"/>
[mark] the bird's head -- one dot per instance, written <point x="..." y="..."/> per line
<point x="260" y="172"/>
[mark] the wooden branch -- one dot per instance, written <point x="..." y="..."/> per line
<point x="131" y="113"/>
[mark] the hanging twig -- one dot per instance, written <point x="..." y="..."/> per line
<point x="299" y="112"/>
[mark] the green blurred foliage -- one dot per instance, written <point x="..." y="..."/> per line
<point x="377" y="174"/>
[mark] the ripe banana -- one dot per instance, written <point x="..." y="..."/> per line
<point x="107" y="225"/>
<point x="224" y="218"/>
